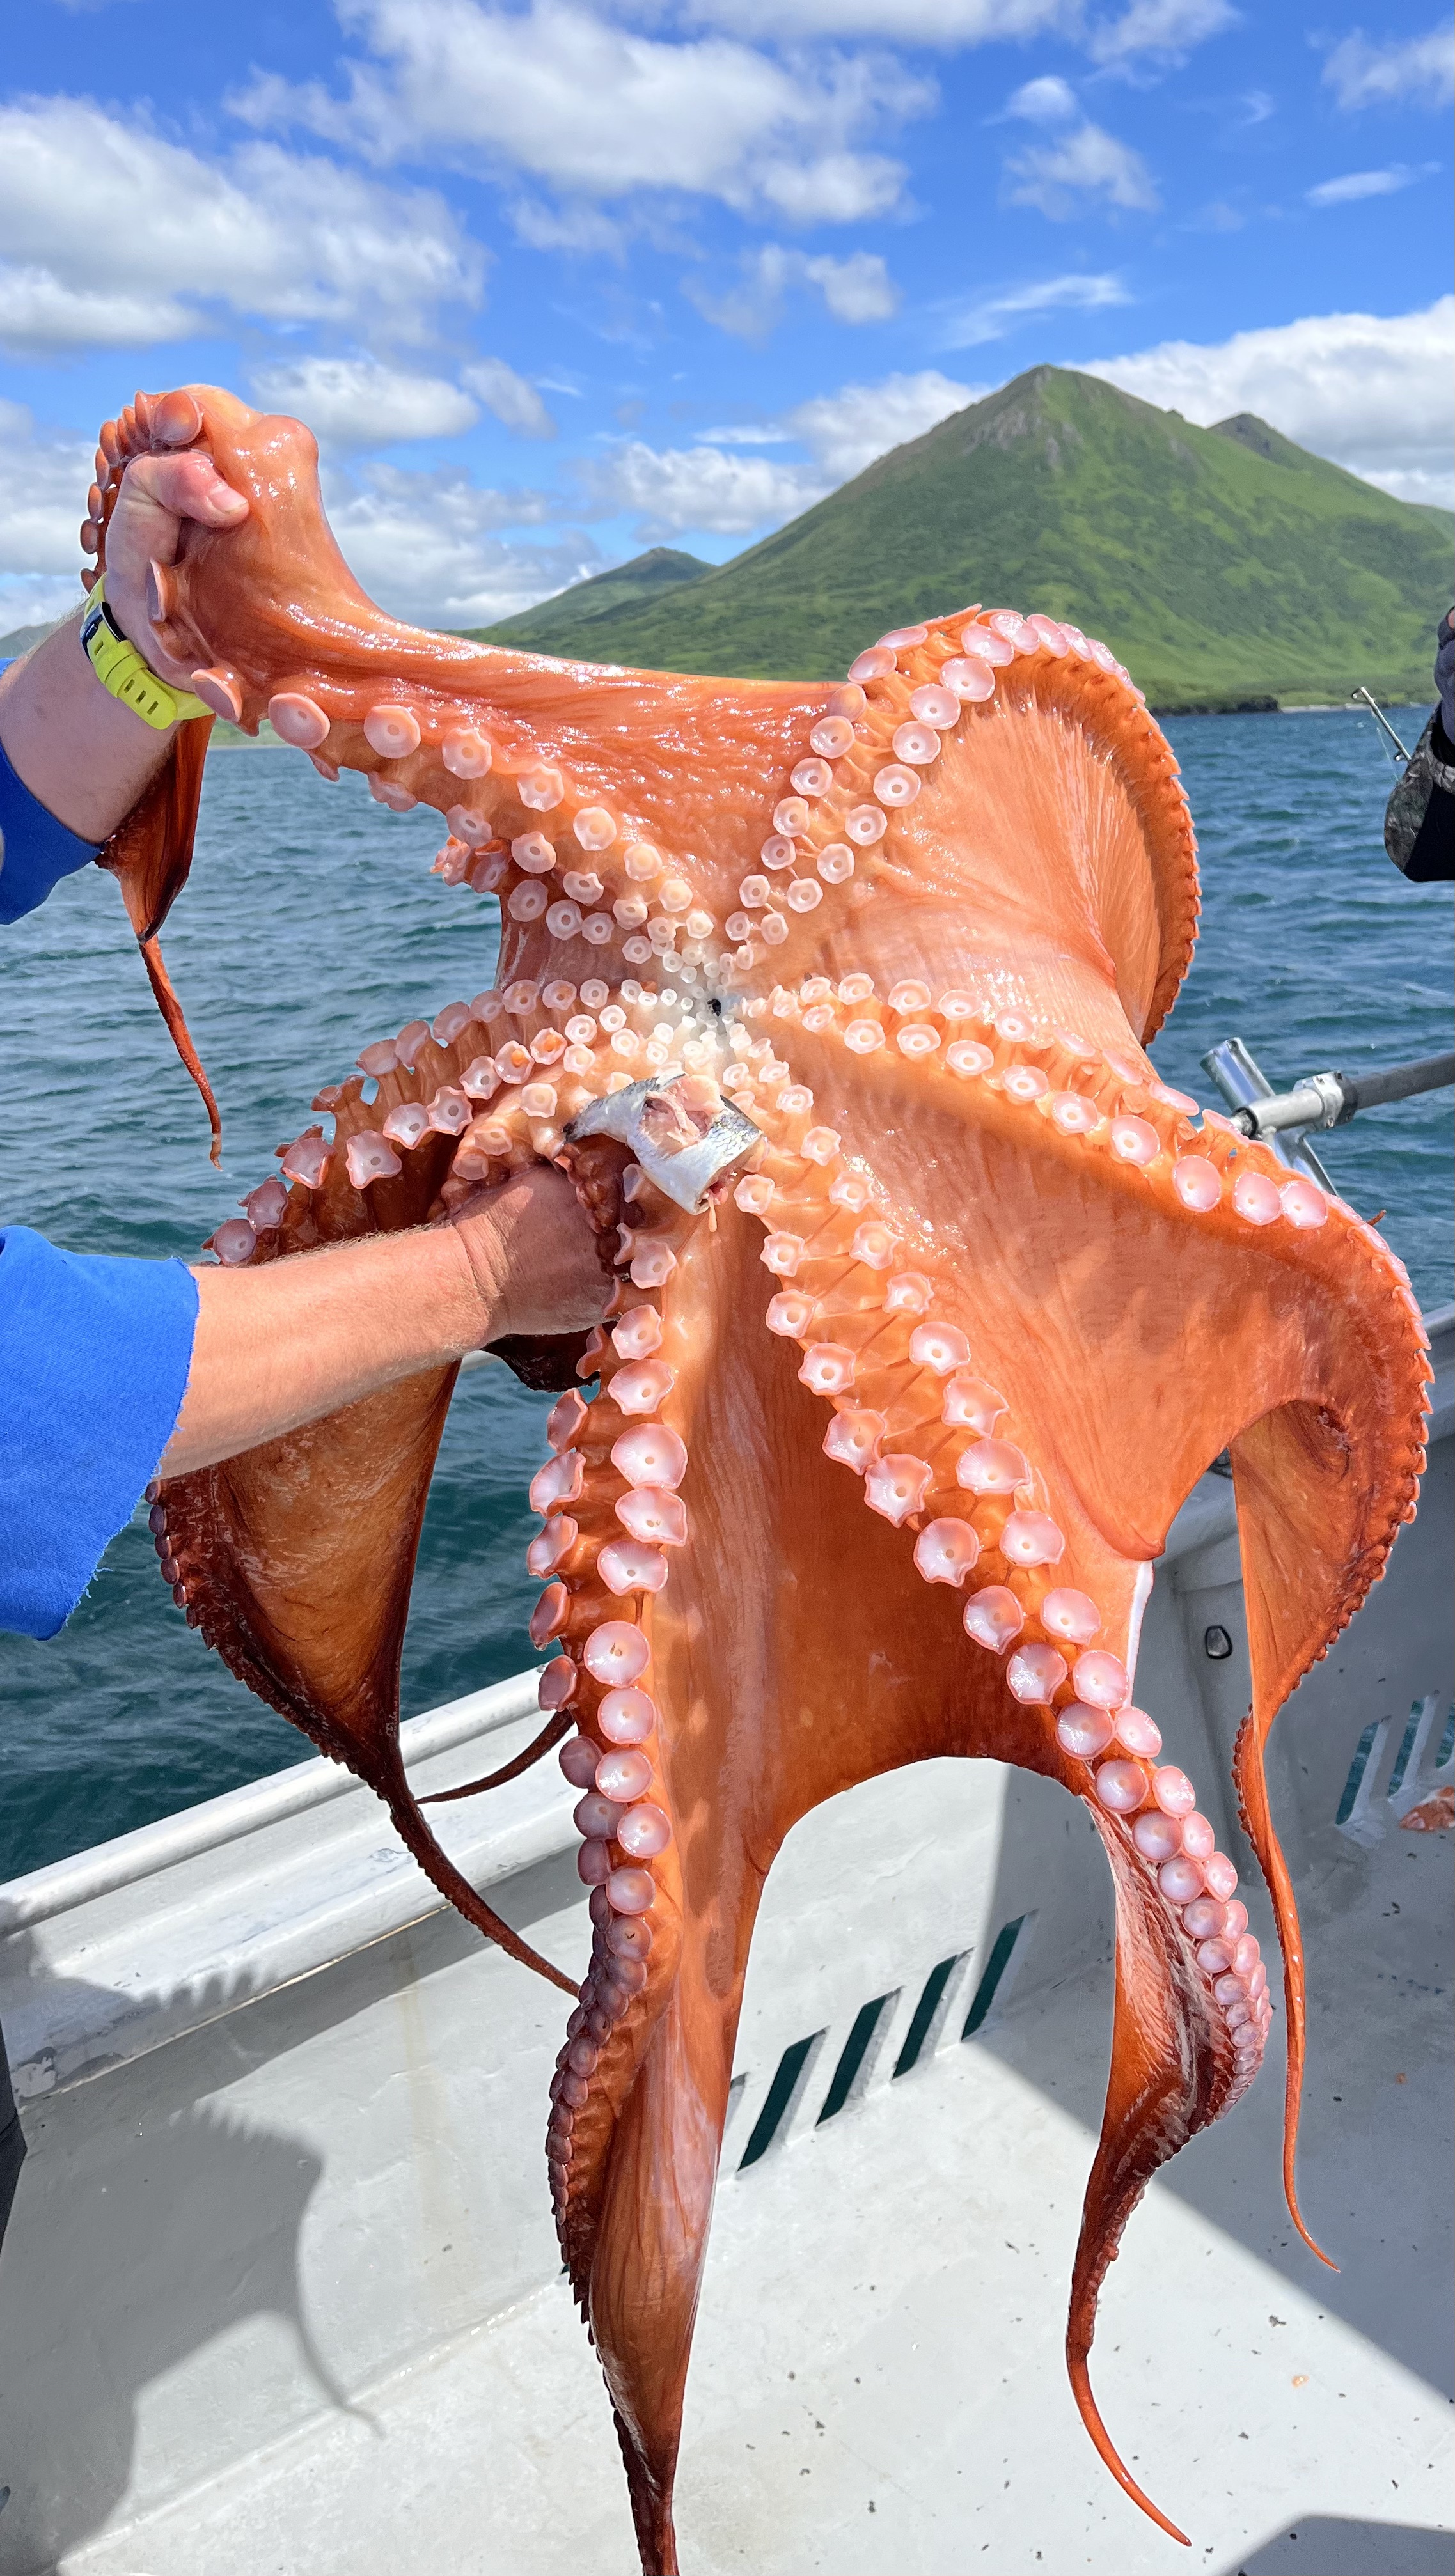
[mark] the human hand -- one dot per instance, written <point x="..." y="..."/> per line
<point x="158" y="494"/>
<point x="1445" y="672"/>
<point x="533" y="1255"/>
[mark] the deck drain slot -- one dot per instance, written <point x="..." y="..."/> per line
<point x="1402" y="1758"/>
<point x="1357" y="1769"/>
<point x="929" y="2012"/>
<point x="1009" y="1941"/>
<point x="794" y="2068"/>
<point x="856" y="2065"/>
<point x="869" y="2035"/>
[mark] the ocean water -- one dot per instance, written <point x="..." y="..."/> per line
<point x="311" y="926"/>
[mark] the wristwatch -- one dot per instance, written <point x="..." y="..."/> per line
<point x="120" y="668"/>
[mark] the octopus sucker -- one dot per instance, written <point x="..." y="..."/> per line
<point x="929" y="1304"/>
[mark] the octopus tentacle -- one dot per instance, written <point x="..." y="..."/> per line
<point x="1173" y="2071"/>
<point x="258" y="1554"/>
<point x="181" y="1037"/>
<point x="272" y="1553"/>
<point x="1185" y="1991"/>
<point x="1342" y="1360"/>
<point x="150" y="855"/>
<point x="1313" y="1541"/>
<point x="536" y="1751"/>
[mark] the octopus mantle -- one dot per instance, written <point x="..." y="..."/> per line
<point x="930" y="1304"/>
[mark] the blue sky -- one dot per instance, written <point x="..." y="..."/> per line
<point x="564" y="278"/>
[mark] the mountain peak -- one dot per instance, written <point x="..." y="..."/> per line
<point x="1259" y="439"/>
<point x="558" y="624"/>
<point x="1221" y="565"/>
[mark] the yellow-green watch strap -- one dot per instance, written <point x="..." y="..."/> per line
<point x="120" y="668"/>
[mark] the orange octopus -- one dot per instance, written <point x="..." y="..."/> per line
<point x="931" y="1302"/>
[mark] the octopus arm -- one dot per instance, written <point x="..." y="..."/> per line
<point x="295" y="1561"/>
<point x="538" y="1747"/>
<point x="1320" y="1500"/>
<point x="150" y="852"/>
<point x="150" y="855"/>
<point x="1145" y="1315"/>
<point x="1172" y="2074"/>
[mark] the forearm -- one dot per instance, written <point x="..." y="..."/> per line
<point x="80" y="752"/>
<point x="290" y="1341"/>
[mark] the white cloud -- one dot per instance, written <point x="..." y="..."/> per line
<point x="950" y="25"/>
<point x="1164" y="30"/>
<point x="43" y="484"/>
<point x="434" y="547"/>
<point x="834" y="188"/>
<point x="768" y="433"/>
<point x="1372" y="393"/>
<point x="673" y="489"/>
<point x="1049" y="101"/>
<point x="511" y="398"/>
<point x="970" y="326"/>
<point x="1361" y="183"/>
<point x="1088" y="163"/>
<point x="572" y="228"/>
<point x="93" y="208"/>
<point x="844" y="432"/>
<point x="1421" y="69"/>
<point x="39" y="315"/>
<point x="597" y="110"/>
<point x="356" y="402"/>
<point x="857" y="289"/>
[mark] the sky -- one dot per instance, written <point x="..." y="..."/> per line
<point x="560" y="280"/>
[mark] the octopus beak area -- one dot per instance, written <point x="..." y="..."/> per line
<point x="150" y="856"/>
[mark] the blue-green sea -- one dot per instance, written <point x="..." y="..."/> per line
<point x="311" y="924"/>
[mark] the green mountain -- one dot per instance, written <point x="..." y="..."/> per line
<point x="1224" y="566"/>
<point x="555" y="625"/>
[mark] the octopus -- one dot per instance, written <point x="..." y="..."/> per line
<point x="929" y="1303"/>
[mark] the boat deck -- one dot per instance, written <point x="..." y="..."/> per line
<point x="281" y="2294"/>
<point x="878" y="2381"/>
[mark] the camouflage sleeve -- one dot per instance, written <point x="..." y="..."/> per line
<point x="1419" y="820"/>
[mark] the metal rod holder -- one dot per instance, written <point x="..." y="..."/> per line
<point x="1245" y="1087"/>
<point x="1285" y="1119"/>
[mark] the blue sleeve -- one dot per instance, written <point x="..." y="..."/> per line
<point x="94" y="1355"/>
<point x="35" y="850"/>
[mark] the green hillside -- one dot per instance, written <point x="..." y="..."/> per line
<point x="556" y="625"/>
<point x="1224" y="566"/>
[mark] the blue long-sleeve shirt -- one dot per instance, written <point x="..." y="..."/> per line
<point x="35" y="850"/>
<point x="94" y="1354"/>
<point x="94" y="1351"/>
